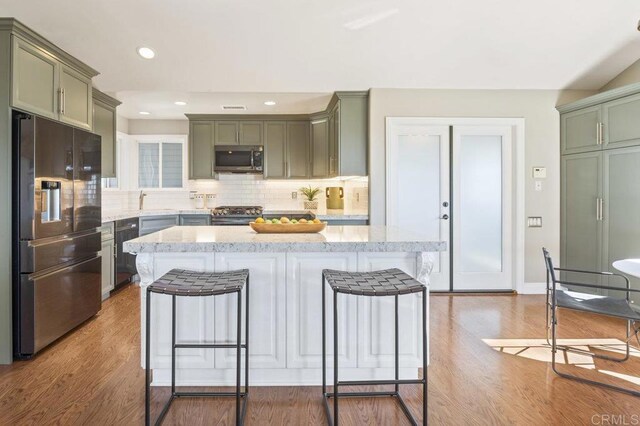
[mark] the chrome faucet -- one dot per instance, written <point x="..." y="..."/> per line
<point x="142" y="195"/>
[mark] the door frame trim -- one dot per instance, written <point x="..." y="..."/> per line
<point x="518" y="139"/>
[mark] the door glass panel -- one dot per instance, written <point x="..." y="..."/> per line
<point x="480" y="207"/>
<point x="418" y="190"/>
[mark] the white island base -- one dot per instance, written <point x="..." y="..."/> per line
<point x="285" y="341"/>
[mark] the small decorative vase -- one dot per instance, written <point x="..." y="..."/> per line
<point x="311" y="205"/>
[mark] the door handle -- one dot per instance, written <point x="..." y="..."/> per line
<point x="445" y="217"/>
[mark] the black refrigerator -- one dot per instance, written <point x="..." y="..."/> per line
<point x="56" y="242"/>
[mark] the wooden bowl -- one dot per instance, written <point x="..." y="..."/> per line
<point x="288" y="228"/>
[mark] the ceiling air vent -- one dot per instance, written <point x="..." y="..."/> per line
<point x="234" y="107"/>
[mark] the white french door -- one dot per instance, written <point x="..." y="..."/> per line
<point x="482" y="208"/>
<point x="455" y="182"/>
<point x="418" y="188"/>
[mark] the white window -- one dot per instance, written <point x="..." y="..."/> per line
<point x="160" y="164"/>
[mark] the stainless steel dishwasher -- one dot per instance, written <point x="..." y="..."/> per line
<point x="125" y="269"/>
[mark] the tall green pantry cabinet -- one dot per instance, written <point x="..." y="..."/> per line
<point x="600" y="180"/>
<point x="38" y="77"/>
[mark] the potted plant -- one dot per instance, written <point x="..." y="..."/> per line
<point x="310" y="194"/>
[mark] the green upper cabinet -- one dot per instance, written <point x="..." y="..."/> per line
<point x="581" y="130"/>
<point x="297" y="149"/>
<point x="320" y="148"/>
<point x="250" y="133"/>
<point x="48" y="81"/>
<point x="334" y="140"/>
<point x="226" y="133"/>
<point x="104" y="124"/>
<point x="621" y="120"/>
<point x="329" y="143"/>
<point x="201" y="151"/>
<point x="352" y="125"/>
<point x="35" y="79"/>
<point x="275" y="141"/>
<point x="348" y="134"/>
<point x="76" y="94"/>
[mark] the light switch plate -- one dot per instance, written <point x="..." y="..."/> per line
<point x="539" y="172"/>
<point x="538" y="185"/>
<point x="534" y="222"/>
<point x="294" y="195"/>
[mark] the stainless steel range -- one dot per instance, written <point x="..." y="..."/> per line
<point x="235" y="215"/>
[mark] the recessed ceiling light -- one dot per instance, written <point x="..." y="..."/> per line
<point x="144" y="113"/>
<point x="146" y="52"/>
<point x="270" y="103"/>
<point x="180" y="103"/>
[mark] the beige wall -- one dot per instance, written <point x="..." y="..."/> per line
<point x="122" y="124"/>
<point x="628" y="76"/>
<point x="158" y="127"/>
<point x="542" y="147"/>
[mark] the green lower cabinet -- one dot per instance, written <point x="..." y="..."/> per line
<point x="150" y="224"/>
<point x="581" y="236"/>
<point x="108" y="254"/>
<point x="195" y="219"/>
<point x="621" y="212"/>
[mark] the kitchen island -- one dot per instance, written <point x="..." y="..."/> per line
<point x="285" y="302"/>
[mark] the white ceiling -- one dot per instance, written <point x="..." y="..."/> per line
<point x="161" y="105"/>
<point x="311" y="47"/>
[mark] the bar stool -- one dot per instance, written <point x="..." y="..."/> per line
<point x="179" y="282"/>
<point x="388" y="282"/>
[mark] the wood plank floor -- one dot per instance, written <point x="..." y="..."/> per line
<point x="92" y="376"/>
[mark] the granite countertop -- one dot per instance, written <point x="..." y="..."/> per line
<point x="378" y="238"/>
<point x="110" y="216"/>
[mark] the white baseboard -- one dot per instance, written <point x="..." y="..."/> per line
<point x="533" y="288"/>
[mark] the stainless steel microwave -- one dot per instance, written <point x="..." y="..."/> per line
<point x="238" y="159"/>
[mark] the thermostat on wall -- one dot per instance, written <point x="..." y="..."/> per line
<point x="539" y="172"/>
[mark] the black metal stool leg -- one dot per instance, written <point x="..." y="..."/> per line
<point x="324" y="341"/>
<point x="238" y="356"/>
<point x="335" y="358"/>
<point x="173" y="345"/>
<point x="397" y="351"/>
<point x="147" y="363"/>
<point x="425" y="359"/>
<point x="246" y="340"/>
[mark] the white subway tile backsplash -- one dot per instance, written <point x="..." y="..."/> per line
<point x="240" y="190"/>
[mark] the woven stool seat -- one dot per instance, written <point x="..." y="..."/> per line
<point x="181" y="282"/>
<point x="388" y="282"/>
